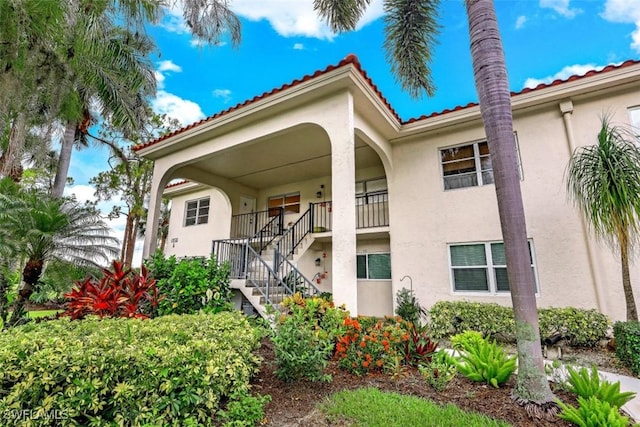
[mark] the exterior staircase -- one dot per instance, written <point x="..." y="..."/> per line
<point x="263" y="265"/>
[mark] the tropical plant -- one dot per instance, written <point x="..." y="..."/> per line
<point x="465" y="340"/>
<point x="586" y="384"/>
<point x="592" y="412"/>
<point x="48" y="229"/>
<point x="119" y="293"/>
<point x="440" y="371"/>
<point x="603" y="180"/>
<point x="484" y="361"/>
<point x="408" y="307"/>
<point x="411" y="29"/>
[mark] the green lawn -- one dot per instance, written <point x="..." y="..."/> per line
<point x="36" y="314"/>
<point x="370" y="407"/>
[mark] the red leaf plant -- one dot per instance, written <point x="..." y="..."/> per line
<point x="119" y="293"/>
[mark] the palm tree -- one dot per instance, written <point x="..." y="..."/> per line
<point x="47" y="229"/>
<point x="603" y="180"/>
<point x="411" y="29"/>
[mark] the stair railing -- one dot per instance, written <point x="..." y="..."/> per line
<point x="294" y="280"/>
<point x="264" y="279"/>
<point x="269" y="232"/>
<point x="292" y="237"/>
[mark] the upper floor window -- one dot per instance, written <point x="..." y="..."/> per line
<point x="197" y="212"/>
<point x="375" y="266"/>
<point x="371" y="191"/>
<point x="468" y="165"/>
<point x="482" y="267"/>
<point x="288" y="203"/>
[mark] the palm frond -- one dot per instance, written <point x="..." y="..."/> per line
<point x="341" y="15"/>
<point x="603" y="181"/>
<point x="411" y="28"/>
<point x="210" y="20"/>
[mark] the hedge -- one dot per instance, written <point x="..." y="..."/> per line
<point x="627" y="336"/>
<point x="172" y="370"/>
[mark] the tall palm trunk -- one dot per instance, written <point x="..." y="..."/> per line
<point x="632" y="313"/>
<point x="10" y="161"/>
<point x="30" y="276"/>
<point x="532" y="388"/>
<point x="129" y="241"/>
<point x="64" y="160"/>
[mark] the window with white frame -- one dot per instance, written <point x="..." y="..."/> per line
<point x="374" y="266"/>
<point x="469" y="165"/>
<point x="482" y="267"/>
<point x="634" y="118"/>
<point x="197" y="212"/>
<point x="288" y="203"/>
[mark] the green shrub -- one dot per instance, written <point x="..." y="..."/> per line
<point x="465" y="340"/>
<point x="583" y="328"/>
<point x="172" y="370"/>
<point x="304" y="338"/>
<point x="586" y="384"/>
<point x="491" y="320"/>
<point x="484" y="361"/>
<point x="244" y="410"/>
<point x="627" y="336"/>
<point x="580" y="327"/>
<point x="440" y="371"/>
<point x="191" y="284"/>
<point x="592" y="412"/>
<point x="408" y="307"/>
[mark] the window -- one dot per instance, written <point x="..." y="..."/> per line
<point x="634" y="118"/>
<point x="482" y="267"/>
<point x="374" y="266"/>
<point x="468" y="165"/>
<point x="197" y="212"/>
<point x="371" y="191"/>
<point x="289" y="203"/>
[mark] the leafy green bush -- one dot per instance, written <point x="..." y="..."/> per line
<point x="440" y="371"/>
<point x="304" y="338"/>
<point x="466" y="340"/>
<point x="191" y="284"/>
<point x="408" y="307"/>
<point x="491" y="320"/>
<point x="593" y="412"/>
<point x="484" y="361"/>
<point x="171" y="370"/>
<point x="586" y="384"/>
<point x="244" y="410"/>
<point x="627" y="336"/>
<point x="578" y="326"/>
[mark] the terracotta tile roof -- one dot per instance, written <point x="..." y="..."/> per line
<point x="353" y="60"/>
<point x="175" y="184"/>
<point x="528" y="89"/>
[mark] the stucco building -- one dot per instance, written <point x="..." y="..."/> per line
<point x="362" y="203"/>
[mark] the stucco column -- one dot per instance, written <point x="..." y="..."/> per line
<point x="339" y="125"/>
<point x="566" y="108"/>
<point x="158" y="182"/>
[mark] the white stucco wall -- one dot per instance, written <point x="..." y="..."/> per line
<point x="195" y="240"/>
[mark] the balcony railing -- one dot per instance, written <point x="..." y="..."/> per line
<point x="249" y="224"/>
<point x="372" y="210"/>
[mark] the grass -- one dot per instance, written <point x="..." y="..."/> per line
<point x="369" y="407"/>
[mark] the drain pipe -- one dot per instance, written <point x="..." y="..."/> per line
<point x="566" y="108"/>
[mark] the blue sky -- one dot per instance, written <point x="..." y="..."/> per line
<point x="283" y="40"/>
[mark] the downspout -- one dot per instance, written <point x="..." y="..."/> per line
<point x="566" y="108"/>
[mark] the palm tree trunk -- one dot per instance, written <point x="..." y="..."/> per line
<point x="4" y="286"/>
<point x="10" y="161"/>
<point x="128" y="242"/>
<point x="30" y="276"/>
<point x="65" y="159"/>
<point x="532" y="388"/>
<point x="632" y="312"/>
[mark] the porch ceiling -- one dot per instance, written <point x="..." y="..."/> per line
<point x="290" y="157"/>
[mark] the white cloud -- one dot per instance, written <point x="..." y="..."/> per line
<point x="184" y="110"/>
<point x="159" y="79"/>
<point x="626" y="12"/>
<point x="298" y="46"/>
<point x="520" y="21"/>
<point x="169" y="65"/>
<point x="565" y="73"/>
<point x="224" y="94"/>
<point x="560" y="6"/>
